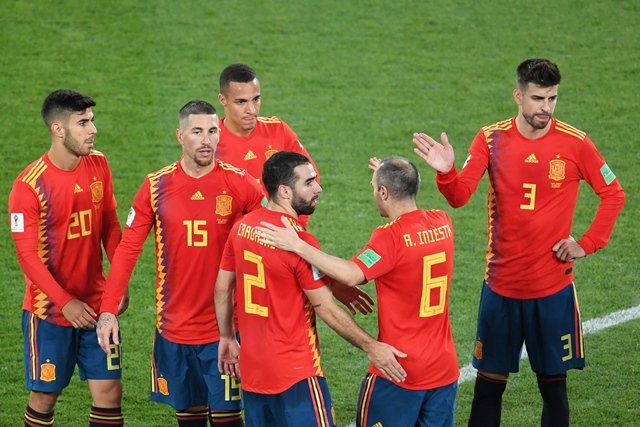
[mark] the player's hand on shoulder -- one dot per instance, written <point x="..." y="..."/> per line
<point x="568" y="250"/>
<point x="353" y="298"/>
<point x="107" y="330"/>
<point x="79" y="314"/>
<point x="285" y="238"/>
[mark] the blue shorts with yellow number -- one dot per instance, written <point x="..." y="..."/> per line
<point x="383" y="403"/>
<point x="550" y="327"/>
<point x="186" y="375"/>
<point x="51" y="353"/>
<point x="306" y="403"/>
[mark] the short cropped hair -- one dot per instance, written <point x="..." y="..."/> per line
<point x="399" y="176"/>
<point x="541" y="72"/>
<point x="279" y="170"/>
<point x="195" y="106"/>
<point x="62" y="102"/>
<point x="239" y="73"/>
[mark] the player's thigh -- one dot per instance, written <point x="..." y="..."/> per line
<point x="258" y="410"/>
<point x="439" y="407"/>
<point x="49" y="354"/>
<point x="225" y="393"/>
<point x="93" y="362"/>
<point x="383" y="403"/>
<point x="554" y="333"/>
<point x="177" y="379"/>
<point x="499" y="335"/>
<point x="306" y="403"/>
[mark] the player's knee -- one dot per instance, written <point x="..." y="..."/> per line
<point x="43" y="402"/>
<point x="106" y="393"/>
<point x="495" y="376"/>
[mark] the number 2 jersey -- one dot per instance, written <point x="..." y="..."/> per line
<point x="411" y="260"/>
<point x="533" y="189"/>
<point x="191" y="218"/>
<point x="278" y="338"/>
<point x="59" y="221"/>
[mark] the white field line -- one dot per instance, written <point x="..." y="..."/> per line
<point x="592" y="326"/>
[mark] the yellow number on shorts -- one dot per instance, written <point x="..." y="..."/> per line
<point x="567" y="340"/>
<point x="250" y="281"/>
<point x="232" y="390"/>
<point x="430" y="283"/>
<point x="113" y="358"/>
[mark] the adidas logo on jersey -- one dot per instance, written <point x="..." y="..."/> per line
<point x="531" y="158"/>
<point x="78" y="189"/>
<point x="197" y="196"/>
<point x="249" y="155"/>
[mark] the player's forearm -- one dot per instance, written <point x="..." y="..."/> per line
<point x="344" y="271"/>
<point x="39" y="274"/>
<point x="223" y="303"/>
<point x="338" y="320"/>
<point x="111" y="233"/>
<point x="598" y="234"/>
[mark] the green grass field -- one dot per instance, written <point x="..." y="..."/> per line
<point x="354" y="79"/>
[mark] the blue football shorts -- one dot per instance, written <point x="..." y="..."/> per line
<point x="550" y="328"/>
<point x="383" y="403"/>
<point x="186" y="375"/>
<point x="306" y="403"/>
<point x="51" y="353"/>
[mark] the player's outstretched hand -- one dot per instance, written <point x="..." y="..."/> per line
<point x="568" y="249"/>
<point x="384" y="358"/>
<point x="229" y="357"/>
<point x="79" y="314"/>
<point x="353" y="298"/>
<point x="374" y="163"/>
<point x="285" y="238"/>
<point x="108" y="330"/>
<point x="438" y="156"/>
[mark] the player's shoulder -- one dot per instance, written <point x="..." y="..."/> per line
<point x="567" y="129"/>
<point x="32" y="171"/>
<point x="501" y="126"/>
<point x="169" y="169"/>
<point x="230" y="169"/>
<point x="270" y="120"/>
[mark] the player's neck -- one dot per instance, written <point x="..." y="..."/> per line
<point x="528" y="131"/>
<point x="398" y="209"/>
<point x="63" y="158"/>
<point x="283" y="208"/>
<point x="236" y="129"/>
<point x="194" y="170"/>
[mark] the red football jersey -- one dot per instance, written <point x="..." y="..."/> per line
<point x="277" y="324"/>
<point x="191" y="218"/>
<point x="59" y="220"/>
<point x="533" y="189"/>
<point x="270" y="135"/>
<point x="411" y="261"/>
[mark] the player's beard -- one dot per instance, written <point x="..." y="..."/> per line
<point x="301" y="206"/>
<point x="74" y="146"/>
<point x="203" y="162"/>
<point x="531" y="119"/>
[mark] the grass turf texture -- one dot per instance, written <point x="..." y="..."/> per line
<point x="354" y="79"/>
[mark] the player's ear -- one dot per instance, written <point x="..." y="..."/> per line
<point x="517" y="96"/>
<point x="222" y="100"/>
<point x="57" y="129"/>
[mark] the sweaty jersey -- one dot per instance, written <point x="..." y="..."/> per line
<point x="59" y="220"/>
<point x="270" y="135"/>
<point x="411" y="261"/>
<point x="533" y="189"/>
<point x="191" y="218"/>
<point x="277" y="324"/>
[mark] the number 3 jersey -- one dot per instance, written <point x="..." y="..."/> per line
<point x="59" y="220"/>
<point x="191" y="218"/>
<point x="533" y="189"/>
<point x="411" y="260"/>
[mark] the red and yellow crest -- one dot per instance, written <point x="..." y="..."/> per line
<point x="97" y="191"/>
<point x="556" y="169"/>
<point x="269" y="153"/>
<point x="47" y="372"/>
<point x="223" y="204"/>
<point x="163" y="386"/>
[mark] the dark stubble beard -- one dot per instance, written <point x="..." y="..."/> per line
<point x="301" y="206"/>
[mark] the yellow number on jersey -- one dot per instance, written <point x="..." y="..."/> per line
<point x="80" y="224"/>
<point x="430" y="283"/>
<point x="530" y="193"/>
<point x="250" y="281"/>
<point x="195" y="229"/>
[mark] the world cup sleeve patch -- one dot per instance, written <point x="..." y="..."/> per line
<point x="607" y="174"/>
<point x="369" y="257"/>
<point x="17" y="222"/>
<point x="317" y="274"/>
<point x="131" y="216"/>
